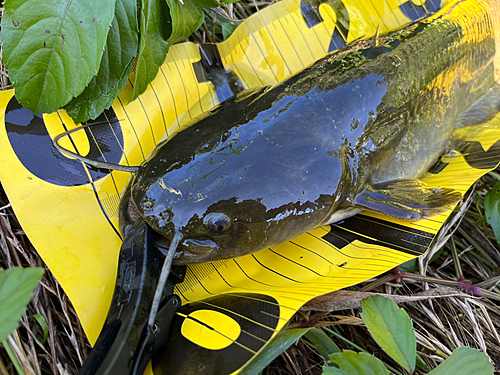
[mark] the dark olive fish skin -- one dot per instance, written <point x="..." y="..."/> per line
<point x="270" y="164"/>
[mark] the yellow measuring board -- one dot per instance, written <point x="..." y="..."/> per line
<point x="70" y="212"/>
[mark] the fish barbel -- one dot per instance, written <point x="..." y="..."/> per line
<point x="353" y="131"/>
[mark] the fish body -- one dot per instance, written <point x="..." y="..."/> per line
<point x="353" y="131"/>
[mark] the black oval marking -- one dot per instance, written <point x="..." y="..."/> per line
<point x="477" y="157"/>
<point x="33" y="146"/>
<point x="258" y="317"/>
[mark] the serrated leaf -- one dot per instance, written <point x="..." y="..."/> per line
<point x="465" y="360"/>
<point x="187" y="17"/>
<point x="16" y="289"/>
<point x="274" y="348"/>
<point x="116" y="65"/>
<point x="322" y="342"/>
<point x="352" y="363"/>
<point x="153" y="45"/>
<point x="392" y="329"/>
<point x="492" y="209"/>
<point x="53" y="48"/>
<point x="167" y="22"/>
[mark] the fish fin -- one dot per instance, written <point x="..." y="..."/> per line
<point x="340" y="215"/>
<point x="482" y="110"/>
<point x="407" y="199"/>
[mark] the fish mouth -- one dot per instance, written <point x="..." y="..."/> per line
<point x="188" y="251"/>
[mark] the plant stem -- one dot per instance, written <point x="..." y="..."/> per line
<point x="394" y="274"/>
<point x="456" y="260"/>
<point x="12" y="357"/>
<point x="460" y="243"/>
<point x="489" y="282"/>
<point x="339" y="336"/>
<point x="461" y="283"/>
<point x="494" y="175"/>
<point x="478" y="247"/>
<point x="303" y="315"/>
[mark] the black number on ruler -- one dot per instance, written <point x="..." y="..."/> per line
<point x="33" y="146"/>
<point x="414" y="12"/>
<point x="312" y="17"/>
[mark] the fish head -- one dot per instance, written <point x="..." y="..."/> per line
<point x="210" y="230"/>
<point x="193" y="185"/>
<point x="212" y="182"/>
<point x="181" y="188"/>
<point x="217" y="225"/>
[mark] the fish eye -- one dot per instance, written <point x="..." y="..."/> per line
<point x="218" y="223"/>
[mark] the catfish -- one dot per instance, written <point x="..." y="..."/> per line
<point x="354" y="131"/>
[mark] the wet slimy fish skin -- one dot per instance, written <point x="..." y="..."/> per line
<point x="353" y="131"/>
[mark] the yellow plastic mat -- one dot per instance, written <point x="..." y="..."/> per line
<point x="70" y="212"/>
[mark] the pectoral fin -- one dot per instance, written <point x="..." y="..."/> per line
<point x="407" y="199"/>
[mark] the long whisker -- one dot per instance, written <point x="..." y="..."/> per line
<point x="94" y="163"/>
<point x="165" y="270"/>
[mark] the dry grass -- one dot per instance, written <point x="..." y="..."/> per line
<point x="66" y="347"/>
<point x="441" y="324"/>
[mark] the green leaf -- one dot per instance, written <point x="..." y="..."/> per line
<point x="53" y="48"/>
<point x="227" y="27"/>
<point x="465" y="360"/>
<point x="43" y="328"/>
<point x="352" y="363"/>
<point x="153" y="45"/>
<point x="12" y="357"/>
<point x="481" y="220"/>
<point x="322" y="342"/>
<point x="116" y="65"/>
<point x="392" y="329"/>
<point x="409" y="266"/>
<point x="16" y="289"/>
<point x="492" y="209"/>
<point x="274" y="348"/>
<point x="166" y="22"/>
<point x="187" y="17"/>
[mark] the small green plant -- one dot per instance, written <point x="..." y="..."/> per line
<point x="78" y="54"/>
<point x="392" y="329"/>
<point x="492" y="209"/>
<point x="16" y="289"/>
